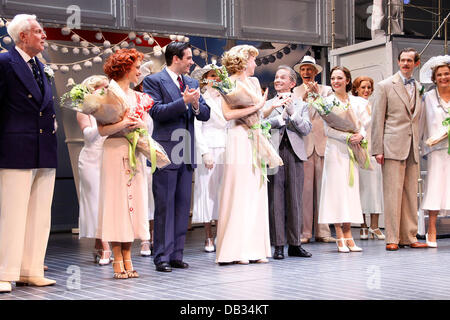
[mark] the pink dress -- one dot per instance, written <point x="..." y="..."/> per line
<point x="123" y="202"/>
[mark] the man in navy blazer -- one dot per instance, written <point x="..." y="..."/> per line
<point x="177" y="101"/>
<point x="28" y="157"/>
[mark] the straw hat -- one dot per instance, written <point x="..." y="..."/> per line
<point x="198" y="73"/>
<point x="146" y="69"/>
<point x="308" y="60"/>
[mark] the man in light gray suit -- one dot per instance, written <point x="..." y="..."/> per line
<point x="289" y="120"/>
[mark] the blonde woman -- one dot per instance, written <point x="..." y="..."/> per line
<point x="89" y="176"/>
<point x="243" y="227"/>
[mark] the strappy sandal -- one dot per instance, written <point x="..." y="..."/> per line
<point x="131" y="273"/>
<point x="122" y="274"/>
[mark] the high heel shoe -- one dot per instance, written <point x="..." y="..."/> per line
<point x="122" y="274"/>
<point x="209" y="245"/>
<point x="364" y="234"/>
<point x="97" y="254"/>
<point x="354" y="248"/>
<point x="145" y="249"/>
<point x="429" y="243"/>
<point x="105" y="258"/>
<point x="373" y="233"/>
<point x="344" y="247"/>
<point x="131" y="273"/>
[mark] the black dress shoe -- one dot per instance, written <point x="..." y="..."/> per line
<point x="278" y="254"/>
<point x="163" y="267"/>
<point x="179" y="264"/>
<point x="298" y="251"/>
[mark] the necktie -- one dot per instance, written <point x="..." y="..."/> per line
<point x="37" y="75"/>
<point x="180" y="82"/>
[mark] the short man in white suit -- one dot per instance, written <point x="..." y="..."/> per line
<point x="315" y="150"/>
<point x="290" y="120"/>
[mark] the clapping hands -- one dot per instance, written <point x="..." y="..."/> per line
<point x="191" y="96"/>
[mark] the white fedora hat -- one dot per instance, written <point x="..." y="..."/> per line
<point x="308" y="60"/>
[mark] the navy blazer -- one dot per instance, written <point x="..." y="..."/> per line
<point x="27" y="132"/>
<point x="169" y="114"/>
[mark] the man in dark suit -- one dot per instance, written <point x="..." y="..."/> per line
<point x="177" y="101"/>
<point x="27" y="157"/>
<point x="291" y="120"/>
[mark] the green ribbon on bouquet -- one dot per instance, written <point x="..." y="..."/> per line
<point x="133" y="138"/>
<point x="364" y="144"/>
<point x="352" y="162"/>
<point x="265" y="129"/>
<point x="446" y="123"/>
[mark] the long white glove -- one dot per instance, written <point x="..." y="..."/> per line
<point x="208" y="160"/>
<point x="90" y="134"/>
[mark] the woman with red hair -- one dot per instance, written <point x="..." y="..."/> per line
<point x="123" y="198"/>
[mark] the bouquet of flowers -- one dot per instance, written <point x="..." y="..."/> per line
<point x="108" y="105"/>
<point x="342" y="117"/>
<point x="239" y="94"/>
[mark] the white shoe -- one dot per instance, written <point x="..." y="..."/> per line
<point x="355" y="248"/>
<point x="344" y="247"/>
<point x="5" y="287"/>
<point x="373" y="233"/>
<point x="105" y="258"/>
<point x="209" y="245"/>
<point x="429" y="243"/>
<point x="145" y="253"/>
<point x="364" y="234"/>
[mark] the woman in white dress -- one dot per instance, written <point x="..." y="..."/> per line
<point x="370" y="181"/>
<point x="89" y="176"/>
<point x="210" y="139"/>
<point x="243" y="227"/>
<point x="339" y="202"/>
<point x="437" y="182"/>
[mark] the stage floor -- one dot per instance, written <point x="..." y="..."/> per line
<point x="373" y="274"/>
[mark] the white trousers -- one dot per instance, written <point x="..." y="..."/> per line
<point x="25" y="213"/>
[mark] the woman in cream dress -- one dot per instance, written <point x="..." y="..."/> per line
<point x="437" y="182"/>
<point x="370" y="181"/>
<point x="123" y="201"/>
<point x="243" y="227"/>
<point x="339" y="202"/>
<point x="210" y="138"/>
<point x="89" y="176"/>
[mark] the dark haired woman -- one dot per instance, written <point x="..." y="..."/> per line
<point x="123" y="208"/>
<point x="339" y="201"/>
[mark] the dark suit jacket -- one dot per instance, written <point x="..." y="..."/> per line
<point x="169" y="113"/>
<point x="27" y="132"/>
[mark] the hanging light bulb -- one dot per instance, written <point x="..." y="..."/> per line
<point x="180" y="38"/>
<point x="97" y="60"/>
<point x="65" y="31"/>
<point x="64" y="50"/>
<point x="54" y="47"/>
<point x="99" y="36"/>
<point x="186" y="39"/>
<point x="106" y="44"/>
<point x="7" y="40"/>
<point x="76" y="68"/>
<point x="75" y="38"/>
<point x="132" y="35"/>
<point x="173" y="37"/>
<point x="88" y="64"/>
<point x="151" y="41"/>
<point x="108" y="52"/>
<point x="124" y="44"/>
<point x="84" y="44"/>
<point x="54" y="67"/>
<point x="138" y="41"/>
<point x="279" y="55"/>
<point x="95" y="50"/>
<point x="146" y="36"/>
<point x="76" y="50"/>
<point x="86" y="51"/>
<point x="64" y="69"/>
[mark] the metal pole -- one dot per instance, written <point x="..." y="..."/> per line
<point x="445" y="39"/>
<point x="333" y="22"/>
<point x="439" y="16"/>
<point x="444" y="22"/>
<point x="389" y="18"/>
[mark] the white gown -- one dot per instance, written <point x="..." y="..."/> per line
<point x="371" y="181"/>
<point x="339" y="202"/>
<point x="210" y="137"/>
<point x="89" y="163"/>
